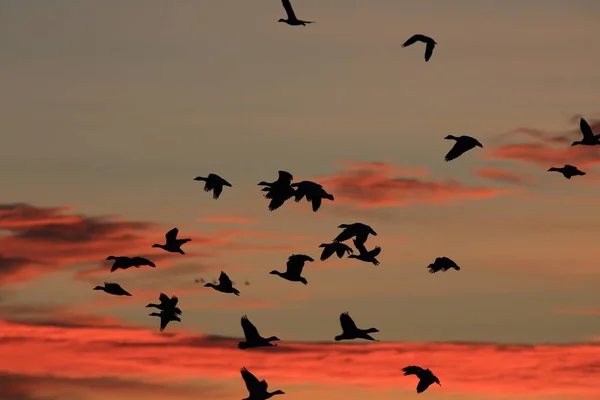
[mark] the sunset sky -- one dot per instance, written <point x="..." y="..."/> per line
<point x="109" y="109"/>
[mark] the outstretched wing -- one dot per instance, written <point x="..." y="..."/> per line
<point x="164" y="321"/>
<point x="429" y="50"/>
<point x="224" y="280"/>
<point x="289" y="10"/>
<point x="173" y="301"/>
<point x="423" y="385"/>
<point x="455" y="151"/>
<point x="250" y="330"/>
<point x="360" y="247"/>
<point x="164" y="298"/>
<point x="413" y="39"/>
<point x="347" y="323"/>
<point x="346" y="234"/>
<point x="142" y="261"/>
<point x="412" y="370"/>
<point x="251" y="381"/>
<point x="276" y="202"/>
<point x="316" y="203"/>
<point x="327" y="252"/>
<point x="284" y="176"/>
<point x="217" y="190"/>
<point x="375" y="252"/>
<point x="294" y="265"/>
<point x="435" y="267"/>
<point x="585" y="129"/>
<point x="171" y="235"/>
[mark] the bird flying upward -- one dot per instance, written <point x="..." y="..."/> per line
<point x="172" y="245"/>
<point x="429" y="44"/>
<point x="257" y="389"/>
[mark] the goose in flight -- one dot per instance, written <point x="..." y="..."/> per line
<point x="113" y="288"/>
<point x="365" y="255"/>
<point x="173" y="245"/>
<point x="429" y="44"/>
<point x="128" y="262"/>
<point x="213" y="182"/>
<point x="350" y="331"/>
<point x="165" y="318"/>
<point x="568" y="171"/>
<point x="442" y="264"/>
<point x="313" y="192"/>
<point x="358" y="230"/>
<point x="294" y="266"/>
<point x="335" y="247"/>
<point x="462" y="145"/>
<point x="279" y="191"/>
<point x="167" y="304"/>
<point x="589" y="139"/>
<point x="257" y="389"/>
<point x="284" y="179"/>
<point x="291" y="15"/>
<point x="225" y="285"/>
<point x="253" y="338"/>
<point x="426" y="377"/>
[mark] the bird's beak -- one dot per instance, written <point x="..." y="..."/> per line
<point x="439" y="384"/>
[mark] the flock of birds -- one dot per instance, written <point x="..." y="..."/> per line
<point x="282" y="190"/>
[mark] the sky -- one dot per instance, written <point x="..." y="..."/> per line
<point x="109" y="109"/>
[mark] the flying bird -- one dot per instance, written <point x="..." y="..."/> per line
<point x="366" y="255"/>
<point x="213" y="182"/>
<point x="113" y="288"/>
<point x="568" y="171"/>
<point x="294" y="266"/>
<point x="124" y="262"/>
<point x="429" y="44"/>
<point x="284" y="179"/>
<point x="167" y="304"/>
<point x="335" y="247"/>
<point x="462" y="145"/>
<point x="173" y="245"/>
<point x="279" y="191"/>
<point x="442" y="264"/>
<point x="426" y="377"/>
<point x="257" y="389"/>
<point x="313" y="192"/>
<point x="291" y="15"/>
<point x="253" y="338"/>
<point x="358" y="230"/>
<point x="589" y="139"/>
<point x="165" y="318"/>
<point x="225" y="285"/>
<point x="350" y="331"/>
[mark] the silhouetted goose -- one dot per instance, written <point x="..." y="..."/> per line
<point x="253" y="338"/>
<point x="284" y="179"/>
<point x="279" y="196"/>
<point x="358" y="230"/>
<point x="113" y="288"/>
<point x="173" y="244"/>
<point x="291" y="16"/>
<point x="442" y="264"/>
<point x="213" y="182"/>
<point x="167" y="304"/>
<point x="225" y="285"/>
<point x="335" y="247"/>
<point x="426" y="377"/>
<point x="128" y="262"/>
<point x="429" y="44"/>
<point x="589" y="139"/>
<point x="165" y="318"/>
<point x="366" y="255"/>
<point x="568" y="171"/>
<point x="294" y="266"/>
<point x="462" y="145"/>
<point x="257" y="389"/>
<point x="313" y="192"/>
<point x="350" y="331"/>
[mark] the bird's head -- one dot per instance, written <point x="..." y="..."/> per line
<point x="209" y="284"/>
<point x="275" y="272"/>
<point x="262" y="183"/>
<point x="281" y="20"/>
<point x="99" y="288"/>
<point x="303" y="280"/>
<point x="479" y="145"/>
<point x="576" y="143"/>
<point x="156" y="245"/>
<point x="111" y="258"/>
<point x="352" y="256"/>
<point x="278" y="392"/>
<point x="450" y="137"/>
<point x="272" y="338"/>
<point x="323" y="244"/>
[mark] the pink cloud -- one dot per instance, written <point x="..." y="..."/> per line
<point x="502" y="175"/>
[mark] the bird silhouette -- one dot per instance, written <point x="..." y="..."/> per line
<point x="429" y="44"/>
<point x="426" y="377"/>
<point x="589" y="139"/>
<point x="357" y="229"/>
<point x="225" y="285"/>
<point x="213" y="182"/>
<point x="167" y="304"/>
<point x="313" y="192"/>
<point x="284" y="179"/>
<point x="113" y="288"/>
<point x="165" y="318"/>
<point x="462" y="145"/>
<point x="253" y="338"/>
<point x="442" y="264"/>
<point x="350" y="331"/>
<point x="366" y="255"/>
<point x="173" y="245"/>
<point x="291" y="15"/>
<point x="279" y="191"/>
<point x="294" y="266"/>
<point x="568" y="171"/>
<point x="123" y="262"/>
<point x="335" y="247"/>
<point x="257" y="389"/>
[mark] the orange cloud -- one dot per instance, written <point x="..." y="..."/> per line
<point x="145" y="355"/>
<point x="227" y="220"/>
<point x="379" y="185"/>
<point x="501" y="175"/>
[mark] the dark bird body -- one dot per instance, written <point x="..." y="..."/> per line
<point x="429" y="44"/>
<point x="366" y="255"/>
<point x="213" y="182"/>
<point x="257" y="389"/>
<point x="350" y="331"/>
<point x="426" y="377"/>
<point x="165" y="318"/>
<point x="167" y="304"/>
<point x="589" y="139"/>
<point x="358" y="230"/>
<point x="568" y="171"/>
<point x="291" y="15"/>
<point x="113" y="288"/>
<point x="294" y="266"/>
<point x="173" y="245"/>
<point x="337" y="248"/>
<point x="462" y="145"/>
<point x="253" y="338"/>
<point x="225" y="285"/>
<point x="313" y="192"/>
<point x="442" y="264"/>
<point x="279" y="191"/>
<point x="124" y="262"/>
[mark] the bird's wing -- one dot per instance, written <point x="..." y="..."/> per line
<point x="435" y="267"/>
<point x="327" y="252"/>
<point x="375" y="252"/>
<point x="142" y="261"/>
<point x="423" y="385"/>
<point x="173" y="301"/>
<point x="585" y="129"/>
<point x="347" y="323"/>
<point x="429" y="50"/>
<point x="360" y="247"/>
<point x="250" y="330"/>
<point x="316" y="203"/>
<point x="294" y="265"/>
<point x="217" y="190"/>
<point x="163" y="298"/>
<point x="285" y="176"/>
<point x="412" y="40"/>
<point x="171" y="235"/>
<point x="251" y="381"/>
<point x="225" y="183"/>
<point x="164" y="321"/>
<point x="224" y="280"/>
<point x="289" y="10"/>
<point x="275" y="203"/>
<point x="346" y="234"/>
<point x="455" y="151"/>
<point x="412" y="370"/>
